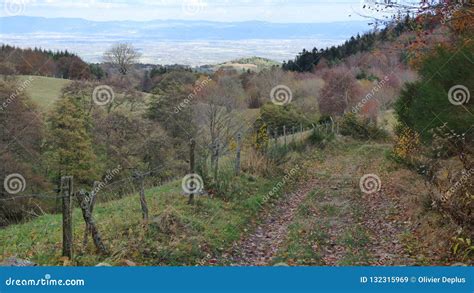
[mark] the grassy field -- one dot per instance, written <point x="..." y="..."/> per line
<point x="44" y="90"/>
<point x="253" y="64"/>
<point x="178" y="233"/>
<point x="335" y="225"/>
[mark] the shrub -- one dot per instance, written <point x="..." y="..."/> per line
<point x="275" y="117"/>
<point x="425" y="105"/>
<point x="361" y="128"/>
<point x="320" y="138"/>
<point x="407" y="144"/>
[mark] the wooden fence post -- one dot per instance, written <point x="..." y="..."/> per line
<point x="192" y="165"/>
<point x="66" y="191"/>
<point x="216" y="161"/>
<point x="143" y="199"/>
<point x="90" y="206"/>
<point x="275" y="133"/>
<point x="284" y="134"/>
<point x="141" y="183"/>
<point x="294" y="134"/>
<point x="237" y="158"/>
<point x="85" y="202"/>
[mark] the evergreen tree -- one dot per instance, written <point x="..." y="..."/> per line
<point x="70" y="145"/>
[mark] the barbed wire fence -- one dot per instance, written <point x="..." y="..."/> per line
<point x="85" y="200"/>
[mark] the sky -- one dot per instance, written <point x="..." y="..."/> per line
<point x="282" y="11"/>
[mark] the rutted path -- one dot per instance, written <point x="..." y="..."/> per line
<point x="340" y="225"/>
<point x="259" y="247"/>
<point x="329" y="221"/>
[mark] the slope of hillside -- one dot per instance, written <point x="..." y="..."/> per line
<point x="43" y="90"/>
<point x="178" y="233"/>
<point x="252" y="63"/>
<point x="331" y="223"/>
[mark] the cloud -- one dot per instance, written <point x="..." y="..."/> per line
<point x="214" y="10"/>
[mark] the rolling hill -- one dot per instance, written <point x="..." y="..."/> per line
<point x="43" y="90"/>
<point x="251" y="63"/>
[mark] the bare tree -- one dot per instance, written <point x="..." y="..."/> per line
<point x="340" y="92"/>
<point x="217" y="115"/>
<point x="387" y="10"/>
<point x="122" y="56"/>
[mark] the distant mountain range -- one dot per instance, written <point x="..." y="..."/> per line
<point x="176" y="41"/>
<point x="181" y="29"/>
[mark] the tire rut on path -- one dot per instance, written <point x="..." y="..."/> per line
<point x="259" y="247"/>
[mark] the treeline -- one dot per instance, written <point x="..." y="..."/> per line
<point x="60" y="64"/>
<point x="306" y="61"/>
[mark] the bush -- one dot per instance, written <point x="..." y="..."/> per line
<point x="275" y="117"/>
<point x="361" y="128"/>
<point x="435" y="136"/>
<point x="320" y="138"/>
<point x="425" y="105"/>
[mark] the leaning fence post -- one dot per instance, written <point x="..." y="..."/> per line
<point x="192" y="166"/>
<point x="237" y="158"/>
<point x="90" y="203"/>
<point x="141" y="182"/>
<point x="85" y="201"/>
<point x="66" y="191"/>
